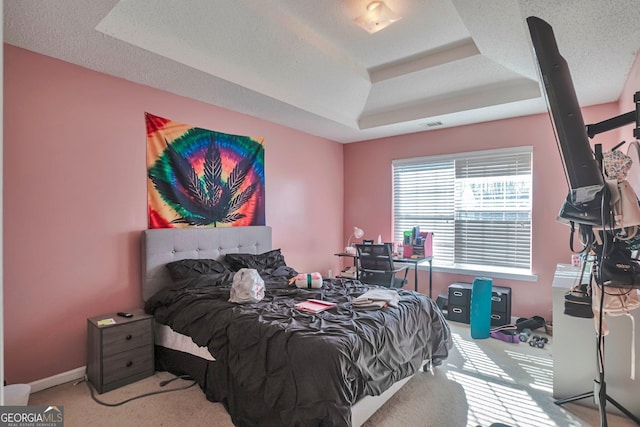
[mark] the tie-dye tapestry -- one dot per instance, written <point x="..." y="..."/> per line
<point x="198" y="177"/>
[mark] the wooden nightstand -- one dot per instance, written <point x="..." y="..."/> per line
<point x="121" y="352"/>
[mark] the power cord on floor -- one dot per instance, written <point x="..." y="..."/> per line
<point x="162" y="384"/>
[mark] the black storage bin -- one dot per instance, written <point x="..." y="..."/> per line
<point x="442" y="302"/>
<point x="458" y="313"/>
<point x="459" y="302"/>
<point x="498" y="318"/>
<point x="460" y="294"/>
<point x="500" y="306"/>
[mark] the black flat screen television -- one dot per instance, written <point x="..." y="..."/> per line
<point x="583" y="170"/>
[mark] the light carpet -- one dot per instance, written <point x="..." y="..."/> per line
<point x="481" y="383"/>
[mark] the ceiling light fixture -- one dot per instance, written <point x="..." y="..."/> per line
<point x="377" y="17"/>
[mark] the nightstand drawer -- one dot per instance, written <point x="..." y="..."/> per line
<point x="125" y="337"/>
<point x="126" y="364"/>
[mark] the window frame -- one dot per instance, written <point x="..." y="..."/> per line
<point x="451" y="266"/>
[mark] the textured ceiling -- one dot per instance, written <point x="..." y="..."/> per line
<point x="306" y="65"/>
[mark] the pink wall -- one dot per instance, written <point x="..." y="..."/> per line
<point x="368" y="189"/>
<point x="625" y="102"/>
<point x="75" y="201"/>
<point x="75" y="197"/>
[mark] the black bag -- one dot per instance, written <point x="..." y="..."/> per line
<point x="617" y="268"/>
<point x="577" y="302"/>
<point x="586" y="237"/>
<point x="589" y="212"/>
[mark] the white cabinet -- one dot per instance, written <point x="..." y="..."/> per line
<point x="574" y="351"/>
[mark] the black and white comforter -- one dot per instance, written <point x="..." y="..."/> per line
<point x="288" y="367"/>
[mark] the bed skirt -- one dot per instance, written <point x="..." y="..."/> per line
<point x="212" y="379"/>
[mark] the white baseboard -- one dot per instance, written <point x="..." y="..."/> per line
<point x="64" y="377"/>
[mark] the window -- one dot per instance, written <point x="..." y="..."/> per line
<point x="478" y="206"/>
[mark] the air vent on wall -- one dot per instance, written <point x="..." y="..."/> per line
<point x="432" y="124"/>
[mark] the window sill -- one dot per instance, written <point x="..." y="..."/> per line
<point x="493" y="272"/>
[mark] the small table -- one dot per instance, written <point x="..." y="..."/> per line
<point x="120" y="350"/>
<point x="414" y="261"/>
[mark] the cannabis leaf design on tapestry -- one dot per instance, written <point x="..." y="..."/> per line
<point x="199" y="177"/>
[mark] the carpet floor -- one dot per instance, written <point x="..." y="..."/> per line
<point x="481" y="383"/>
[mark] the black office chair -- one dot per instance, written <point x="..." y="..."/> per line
<point x="376" y="267"/>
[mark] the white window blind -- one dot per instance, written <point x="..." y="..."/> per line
<point x="477" y="204"/>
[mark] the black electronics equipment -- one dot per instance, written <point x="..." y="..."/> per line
<point x="585" y="178"/>
<point x="124" y="314"/>
<point x="587" y="188"/>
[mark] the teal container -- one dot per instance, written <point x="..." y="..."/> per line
<point x="480" y="312"/>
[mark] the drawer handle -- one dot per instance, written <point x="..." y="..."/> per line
<point x="128" y="337"/>
<point x="457" y="293"/>
<point x="496" y="299"/>
<point x="496" y="316"/>
<point x="129" y="364"/>
<point x="457" y="310"/>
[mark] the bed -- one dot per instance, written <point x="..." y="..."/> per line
<point x="267" y="362"/>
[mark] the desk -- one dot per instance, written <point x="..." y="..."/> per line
<point x="414" y="261"/>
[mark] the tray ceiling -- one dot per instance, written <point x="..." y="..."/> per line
<point x="306" y="65"/>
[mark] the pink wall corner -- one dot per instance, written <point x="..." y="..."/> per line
<point x="75" y="201"/>
<point x="368" y="193"/>
<point x="625" y="102"/>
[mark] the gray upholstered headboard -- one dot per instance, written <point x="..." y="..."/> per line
<point x="163" y="245"/>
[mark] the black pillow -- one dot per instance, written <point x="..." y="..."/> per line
<point x="266" y="261"/>
<point x="190" y="268"/>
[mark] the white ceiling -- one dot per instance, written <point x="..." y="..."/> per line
<point x="306" y="65"/>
